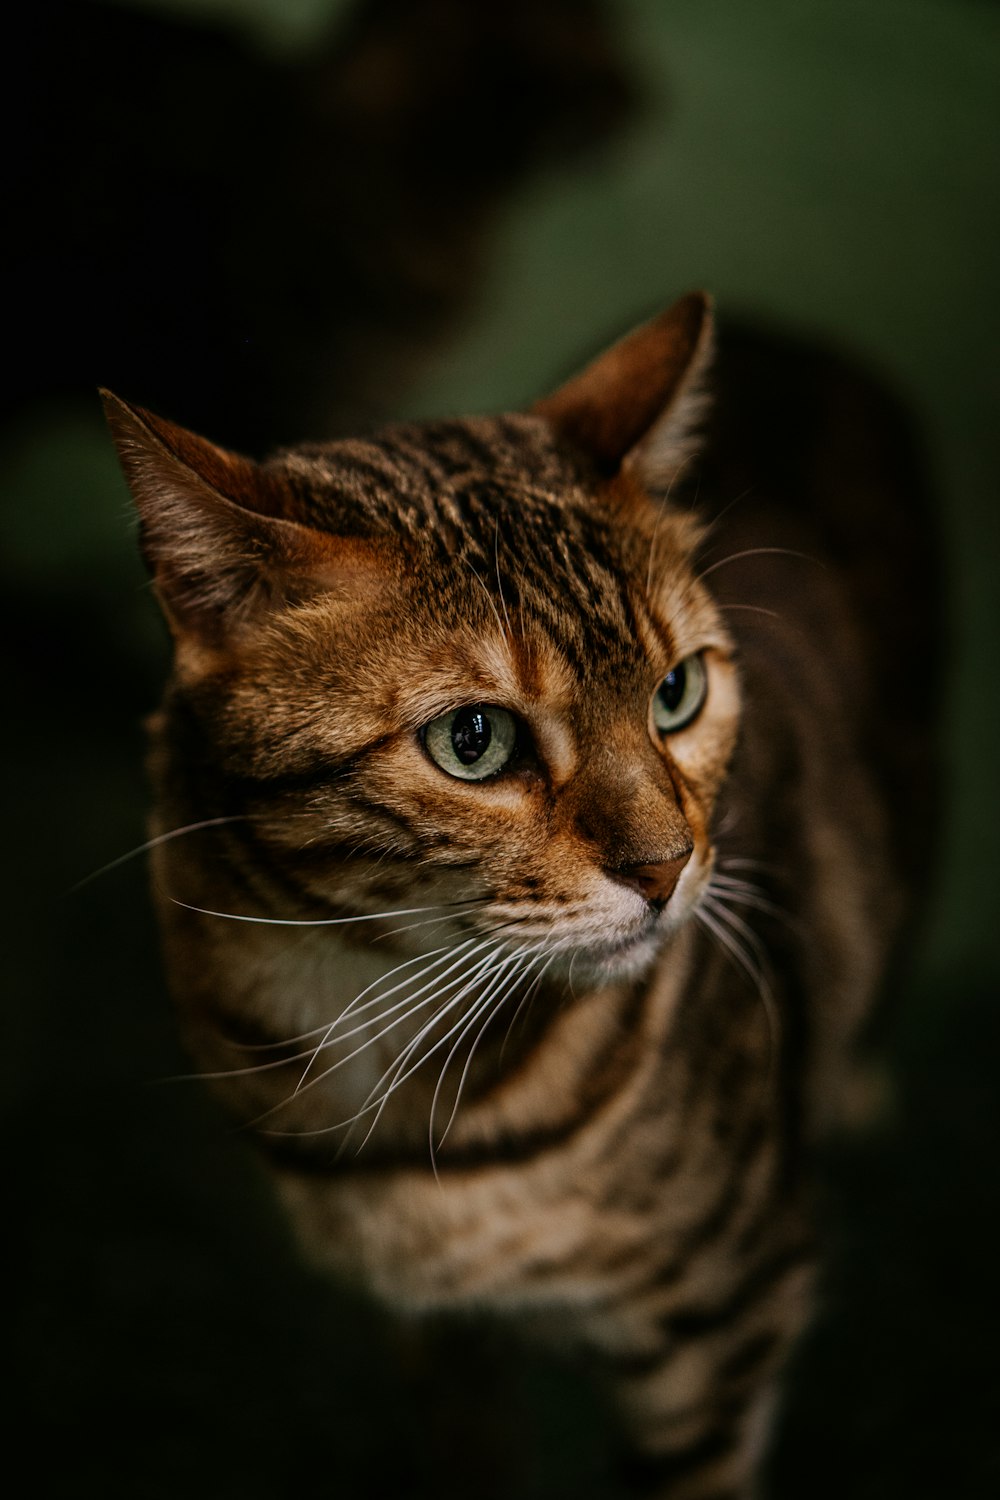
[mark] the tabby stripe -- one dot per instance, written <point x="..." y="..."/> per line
<point x="387" y="480"/>
<point x="677" y="1329"/>
<point x="526" y="444"/>
<point x="395" y="820"/>
<point x="718" y="1217"/>
<point x="578" y="652"/>
<point x="410" y="456"/>
<point x="308" y="778"/>
<point x="262" y="874"/>
<point x="250" y="1031"/>
<point x="463" y="450"/>
<point x="697" y="1322"/>
<point x="305" y="1156"/>
<point x="649" y="1471"/>
<point x="747" y="1358"/>
<point x="269" y="867"/>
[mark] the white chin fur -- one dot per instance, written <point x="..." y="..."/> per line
<point x="626" y="958"/>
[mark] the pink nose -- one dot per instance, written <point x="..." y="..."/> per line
<point x="655" y="882"/>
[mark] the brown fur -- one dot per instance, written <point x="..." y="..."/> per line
<point x="610" y="1126"/>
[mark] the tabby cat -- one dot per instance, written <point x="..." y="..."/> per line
<point x="528" y="851"/>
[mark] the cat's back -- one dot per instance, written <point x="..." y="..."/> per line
<point x="813" y="456"/>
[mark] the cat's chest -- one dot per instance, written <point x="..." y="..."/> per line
<point x="341" y="1028"/>
<point x="556" y="1185"/>
<point x="579" y="1225"/>
<point x="372" y="1053"/>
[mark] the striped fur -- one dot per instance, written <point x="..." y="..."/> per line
<point x="486" y="1067"/>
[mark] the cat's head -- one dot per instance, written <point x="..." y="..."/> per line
<point x="464" y="667"/>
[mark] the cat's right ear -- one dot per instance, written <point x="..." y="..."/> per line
<point x="212" y="532"/>
<point x="638" y="406"/>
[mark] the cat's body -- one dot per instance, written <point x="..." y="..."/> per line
<point x="641" y="945"/>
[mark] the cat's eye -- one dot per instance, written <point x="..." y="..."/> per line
<point x="680" y="695"/>
<point x="472" y="742"/>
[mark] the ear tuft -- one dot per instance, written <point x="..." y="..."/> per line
<point x="639" y="404"/>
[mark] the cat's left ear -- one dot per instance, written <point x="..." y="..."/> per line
<point x="638" y="406"/>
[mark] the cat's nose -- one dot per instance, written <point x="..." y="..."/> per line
<point x="655" y="882"/>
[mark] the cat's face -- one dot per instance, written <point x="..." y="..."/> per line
<point x="454" y="673"/>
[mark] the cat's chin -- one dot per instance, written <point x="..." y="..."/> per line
<point x="623" y="958"/>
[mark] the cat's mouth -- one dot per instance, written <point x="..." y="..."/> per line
<point x="621" y="942"/>
<point x="629" y="951"/>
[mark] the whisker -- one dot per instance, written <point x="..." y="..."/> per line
<point x="327" y="1039"/>
<point x="375" y="916"/>
<point x="476" y="942"/>
<point x="664" y="510"/>
<point x="744" y="893"/>
<point x="757" y="552"/>
<point x="527" y="997"/>
<point x="496" y="565"/>
<point x="464" y="1025"/>
<point x="661" y="512"/>
<point x="447" y="916"/>
<point x="757" y="609"/>
<point x="312" y="1052"/>
<point x="718" y="921"/>
<point x="412" y="1001"/>
<point x="483" y="973"/>
<point x="459" y="956"/>
<point x="698" y="578"/>
<point x="483" y="1003"/>
<point x="176" y="833"/>
<point x="162" y="838"/>
<point x="752" y="939"/>
<point x="224" y="1073"/>
<point x="521" y="970"/>
<point x="489" y="596"/>
<point x="398" y="1077"/>
<point x="323" y="1031"/>
<point x="728" y="863"/>
<point x="395" y="1076"/>
<point x="728" y="941"/>
<point x="717" y="520"/>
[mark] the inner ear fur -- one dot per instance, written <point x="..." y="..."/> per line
<point x="212" y="531"/>
<point x="636" y="408"/>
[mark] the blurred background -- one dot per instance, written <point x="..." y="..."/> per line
<point x="282" y="219"/>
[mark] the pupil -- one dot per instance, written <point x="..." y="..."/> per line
<point x="470" y="734"/>
<point x="672" y="689"/>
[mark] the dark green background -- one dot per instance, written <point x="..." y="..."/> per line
<point x="828" y="166"/>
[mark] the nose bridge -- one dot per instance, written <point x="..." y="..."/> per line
<point x="626" y="805"/>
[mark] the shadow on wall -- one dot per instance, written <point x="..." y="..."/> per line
<point x="262" y="248"/>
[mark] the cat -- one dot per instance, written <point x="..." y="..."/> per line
<point x="537" y="814"/>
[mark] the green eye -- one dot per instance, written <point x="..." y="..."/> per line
<point x="680" y="695"/>
<point x="472" y="742"/>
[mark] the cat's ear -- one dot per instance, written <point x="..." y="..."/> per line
<point x="212" y="531"/>
<point x="637" y="407"/>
